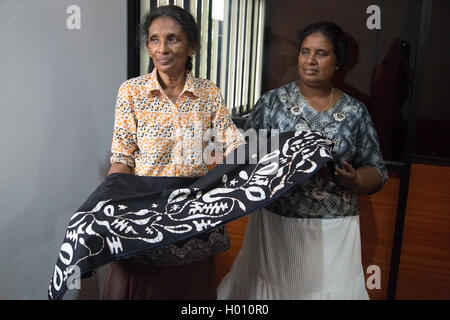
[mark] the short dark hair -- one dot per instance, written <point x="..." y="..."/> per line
<point x="333" y="32"/>
<point x="183" y="17"/>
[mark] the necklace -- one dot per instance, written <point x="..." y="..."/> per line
<point x="327" y="107"/>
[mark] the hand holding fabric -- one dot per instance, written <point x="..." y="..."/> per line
<point x="363" y="180"/>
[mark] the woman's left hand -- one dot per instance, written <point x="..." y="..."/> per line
<point x="348" y="176"/>
<point x="363" y="180"/>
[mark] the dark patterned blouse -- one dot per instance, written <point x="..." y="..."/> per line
<point x="352" y="138"/>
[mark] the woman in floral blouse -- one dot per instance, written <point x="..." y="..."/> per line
<point x="307" y="244"/>
<point x="162" y="120"/>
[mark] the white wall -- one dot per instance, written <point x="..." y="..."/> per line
<point x="57" y="89"/>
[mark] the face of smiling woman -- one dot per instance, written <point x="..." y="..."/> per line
<point x="316" y="60"/>
<point x="168" y="46"/>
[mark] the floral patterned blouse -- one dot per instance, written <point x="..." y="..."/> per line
<point x="352" y="138"/>
<point x="157" y="137"/>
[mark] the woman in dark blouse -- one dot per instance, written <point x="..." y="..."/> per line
<point x="307" y="244"/>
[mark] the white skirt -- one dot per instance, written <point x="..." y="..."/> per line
<point x="291" y="258"/>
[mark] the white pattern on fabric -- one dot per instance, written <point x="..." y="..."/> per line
<point x="100" y="231"/>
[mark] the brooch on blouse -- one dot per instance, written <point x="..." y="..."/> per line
<point x="338" y="116"/>
<point x="296" y="110"/>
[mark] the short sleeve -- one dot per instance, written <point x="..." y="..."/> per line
<point x="368" y="152"/>
<point x="258" y="118"/>
<point x="225" y="130"/>
<point x="124" y="136"/>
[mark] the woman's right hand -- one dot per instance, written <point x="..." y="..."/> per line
<point x="118" y="167"/>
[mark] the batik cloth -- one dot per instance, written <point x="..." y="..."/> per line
<point x="129" y="215"/>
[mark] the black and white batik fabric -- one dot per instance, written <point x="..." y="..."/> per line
<point x="128" y="215"/>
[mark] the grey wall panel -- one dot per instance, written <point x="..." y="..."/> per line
<point x="57" y="89"/>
